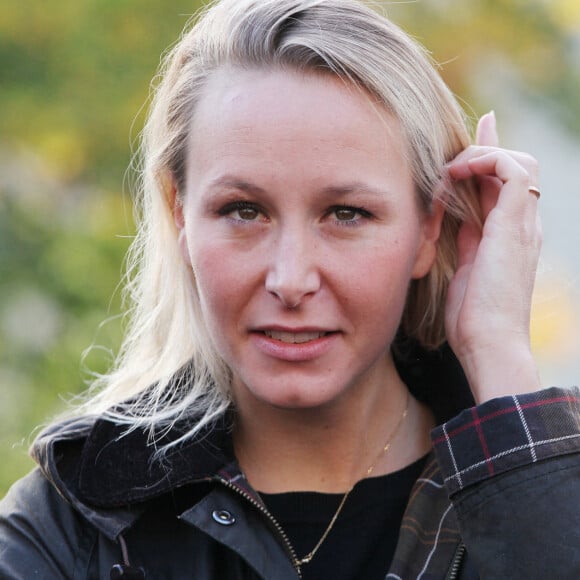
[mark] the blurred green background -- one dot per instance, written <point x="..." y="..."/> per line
<point x="74" y="76"/>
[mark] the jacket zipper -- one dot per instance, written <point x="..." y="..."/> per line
<point x="453" y="572"/>
<point x="289" y="548"/>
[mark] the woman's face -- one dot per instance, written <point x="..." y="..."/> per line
<point x="301" y="224"/>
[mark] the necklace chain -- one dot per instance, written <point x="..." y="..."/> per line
<point x="308" y="558"/>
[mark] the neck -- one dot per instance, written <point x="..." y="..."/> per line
<point x="330" y="448"/>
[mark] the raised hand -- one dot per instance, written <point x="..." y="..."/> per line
<point x="489" y="299"/>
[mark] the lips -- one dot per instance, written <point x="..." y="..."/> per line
<point x="294" y="337"/>
<point x="294" y="344"/>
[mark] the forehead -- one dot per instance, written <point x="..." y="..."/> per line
<point x="247" y="96"/>
<point x="300" y="119"/>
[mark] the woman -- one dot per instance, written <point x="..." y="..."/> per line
<point x="315" y="227"/>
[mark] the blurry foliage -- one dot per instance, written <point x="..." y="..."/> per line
<point x="73" y="78"/>
<point x="538" y="40"/>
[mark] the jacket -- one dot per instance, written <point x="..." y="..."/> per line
<point x="499" y="497"/>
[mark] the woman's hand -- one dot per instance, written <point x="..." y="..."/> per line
<point x="489" y="299"/>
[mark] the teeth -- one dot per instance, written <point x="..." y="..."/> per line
<point x="294" y="337"/>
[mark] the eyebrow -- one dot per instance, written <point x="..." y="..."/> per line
<point x="231" y="182"/>
<point x="342" y="190"/>
<point x="356" y="187"/>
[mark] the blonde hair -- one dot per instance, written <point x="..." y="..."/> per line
<point x="168" y="368"/>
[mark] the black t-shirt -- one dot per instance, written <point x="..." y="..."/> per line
<point x="362" y="541"/>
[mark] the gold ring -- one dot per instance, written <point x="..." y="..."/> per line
<point x="535" y="191"/>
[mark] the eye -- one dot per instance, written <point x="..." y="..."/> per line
<point x="242" y="211"/>
<point x="345" y="214"/>
<point x="247" y="213"/>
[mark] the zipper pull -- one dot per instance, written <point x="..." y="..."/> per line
<point x="125" y="571"/>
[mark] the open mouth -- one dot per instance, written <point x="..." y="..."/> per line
<point x="294" y="337"/>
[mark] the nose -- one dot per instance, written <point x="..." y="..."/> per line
<point x="292" y="272"/>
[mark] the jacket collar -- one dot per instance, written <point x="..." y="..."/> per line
<point x="58" y="451"/>
<point x="119" y="468"/>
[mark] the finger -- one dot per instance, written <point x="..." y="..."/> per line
<point x="468" y="240"/>
<point x="514" y="201"/>
<point x="489" y="189"/>
<point x="486" y="133"/>
<point x="515" y="177"/>
<point x="497" y="171"/>
<point x="459" y="168"/>
<point x="513" y="195"/>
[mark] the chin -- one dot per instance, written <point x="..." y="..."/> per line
<point x="292" y="398"/>
<point x="299" y="403"/>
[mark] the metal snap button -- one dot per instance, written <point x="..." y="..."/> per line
<point x="223" y="517"/>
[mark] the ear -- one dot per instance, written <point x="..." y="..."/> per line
<point x="175" y="204"/>
<point x="430" y="230"/>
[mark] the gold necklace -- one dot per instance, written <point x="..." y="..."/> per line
<point x="308" y="558"/>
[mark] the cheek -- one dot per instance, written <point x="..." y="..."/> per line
<point x="212" y="275"/>
<point x="220" y="278"/>
<point x="383" y="277"/>
<point x="391" y="261"/>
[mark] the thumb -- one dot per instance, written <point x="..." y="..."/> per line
<point x="486" y="133"/>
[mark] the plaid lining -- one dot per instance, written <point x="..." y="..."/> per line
<point x="429" y="533"/>
<point x="506" y="433"/>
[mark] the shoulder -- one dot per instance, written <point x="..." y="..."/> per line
<point x="41" y="535"/>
